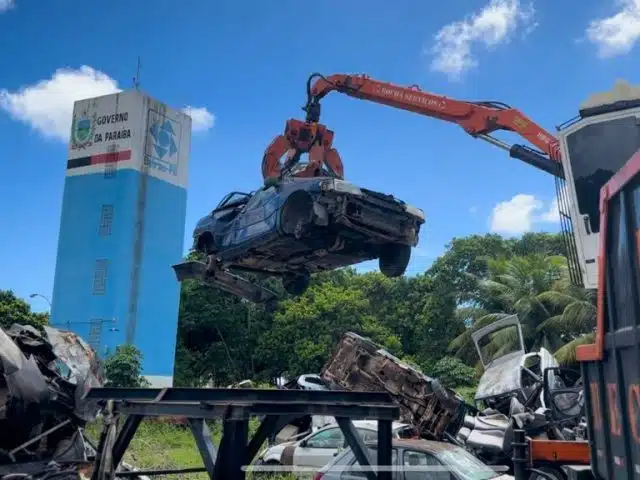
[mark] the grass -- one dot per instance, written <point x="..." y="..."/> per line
<point x="159" y="445"/>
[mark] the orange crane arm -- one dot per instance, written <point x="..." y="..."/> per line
<point x="478" y="119"/>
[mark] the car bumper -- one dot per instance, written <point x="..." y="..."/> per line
<point x="377" y="216"/>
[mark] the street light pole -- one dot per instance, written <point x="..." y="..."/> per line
<point x="34" y="295"/>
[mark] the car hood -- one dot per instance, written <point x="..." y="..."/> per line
<point x="501" y="377"/>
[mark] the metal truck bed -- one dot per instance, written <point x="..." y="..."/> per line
<point x="611" y="366"/>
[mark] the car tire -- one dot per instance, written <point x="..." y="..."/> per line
<point x="296" y="214"/>
<point x="296" y="284"/>
<point x="394" y="259"/>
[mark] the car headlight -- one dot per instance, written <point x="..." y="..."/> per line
<point x="341" y="186"/>
<point x="416" y="212"/>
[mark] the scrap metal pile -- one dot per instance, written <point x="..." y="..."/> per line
<point x="510" y="395"/>
<point x="44" y="376"/>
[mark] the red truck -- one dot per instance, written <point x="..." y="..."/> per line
<point x="611" y="365"/>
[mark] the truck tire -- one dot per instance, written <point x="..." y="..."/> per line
<point x="394" y="259"/>
<point x="296" y="284"/>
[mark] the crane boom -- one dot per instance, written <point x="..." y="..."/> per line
<point x="478" y="119"/>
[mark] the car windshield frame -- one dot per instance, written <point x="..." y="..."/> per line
<point x="226" y="202"/>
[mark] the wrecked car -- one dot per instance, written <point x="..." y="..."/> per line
<point x="298" y="226"/>
<point x="512" y="378"/>
<point x="307" y="423"/>
<point x="44" y="376"/>
<point x="517" y="401"/>
<point x="358" y="364"/>
<point x="514" y="392"/>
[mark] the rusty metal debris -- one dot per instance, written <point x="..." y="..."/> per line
<point x="44" y="376"/>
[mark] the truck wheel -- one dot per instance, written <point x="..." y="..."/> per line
<point x="394" y="259"/>
<point x="296" y="284"/>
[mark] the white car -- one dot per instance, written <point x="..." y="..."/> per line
<point x="416" y="459"/>
<point x="317" y="449"/>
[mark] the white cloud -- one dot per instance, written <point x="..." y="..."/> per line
<point x="6" y="5"/>
<point x="47" y="106"/>
<point x="489" y="27"/>
<point x="201" y="119"/>
<point x="519" y="214"/>
<point x="617" y="34"/>
<point x="552" y="215"/>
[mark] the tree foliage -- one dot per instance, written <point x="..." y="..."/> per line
<point x="422" y="319"/>
<point x="453" y="372"/>
<point x="16" y="310"/>
<point x="123" y="368"/>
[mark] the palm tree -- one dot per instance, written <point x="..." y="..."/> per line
<point x="535" y="287"/>
<point x="575" y="319"/>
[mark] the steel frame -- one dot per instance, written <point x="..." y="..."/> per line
<point x="234" y="408"/>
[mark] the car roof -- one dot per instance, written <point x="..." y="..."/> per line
<point x="373" y="424"/>
<point x="420" y="444"/>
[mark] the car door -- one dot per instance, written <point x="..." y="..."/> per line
<point x="319" y="449"/>
<point x="258" y="217"/>
<point x="419" y="465"/>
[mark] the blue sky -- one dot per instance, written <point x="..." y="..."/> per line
<point x="242" y="67"/>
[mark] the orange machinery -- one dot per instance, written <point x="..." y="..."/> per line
<point x="478" y="119"/>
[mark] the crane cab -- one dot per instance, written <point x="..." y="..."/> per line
<point x="594" y="146"/>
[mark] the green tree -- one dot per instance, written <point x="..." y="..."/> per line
<point x="464" y="264"/>
<point x="15" y="310"/>
<point x="514" y="287"/>
<point x="306" y="329"/>
<point x="124" y="367"/>
<point x="575" y="316"/>
<point x="453" y="373"/>
<point x="553" y="313"/>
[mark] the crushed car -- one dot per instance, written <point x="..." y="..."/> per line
<point x="517" y="397"/>
<point x="45" y="374"/>
<point x="359" y="364"/>
<point x="294" y="227"/>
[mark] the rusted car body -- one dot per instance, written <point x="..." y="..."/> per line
<point x="359" y="364"/>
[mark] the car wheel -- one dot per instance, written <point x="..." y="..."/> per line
<point x="296" y="284"/>
<point x="394" y="259"/>
<point x="296" y="214"/>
